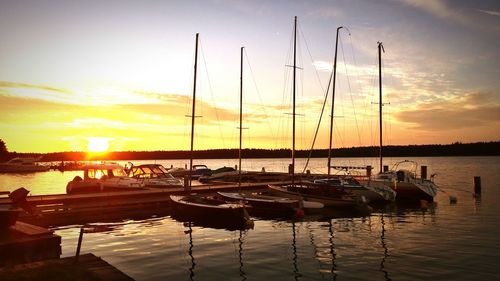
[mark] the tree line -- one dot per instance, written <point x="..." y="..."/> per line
<point x="454" y="149"/>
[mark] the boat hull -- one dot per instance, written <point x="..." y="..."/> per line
<point x="267" y="206"/>
<point x="341" y="201"/>
<point x="206" y="213"/>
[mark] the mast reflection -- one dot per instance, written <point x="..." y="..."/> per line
<point x="386" y="250"/>
<point x="240" y="252"/>
<point x="332" y="249"/>
<point x="190" y="251"/>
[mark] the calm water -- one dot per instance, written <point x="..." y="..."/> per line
<point x="444" y="242"/>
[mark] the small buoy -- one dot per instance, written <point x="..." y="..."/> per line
<point x="453" y="200"/>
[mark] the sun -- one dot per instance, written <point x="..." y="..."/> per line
<point x="97" y="144"/>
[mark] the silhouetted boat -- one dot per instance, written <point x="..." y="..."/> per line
<point x="379" y="193"/>
<point x="266" y="205"/>
<point x="207" y="210"/>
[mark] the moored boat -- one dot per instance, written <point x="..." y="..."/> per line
<point x="22" y="165"/>
<point x="267" y="205"/>
<point x="208" y="210"/>
<point x="371" y="194"/>
<point x="103" y="177"/>
<point x="330" y="197"/>
<point x="405" y="182"/>
<point x="154" y="175"/>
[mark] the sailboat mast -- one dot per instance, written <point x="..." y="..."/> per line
<point x="380" y="48"/>
<point x="293" y="112"/>
<point x="193" y="112"/>
<point x="333" y="100"/>
<point x="241" y="116"/>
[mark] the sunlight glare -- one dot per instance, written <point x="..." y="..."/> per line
<point x="97" y="144"/>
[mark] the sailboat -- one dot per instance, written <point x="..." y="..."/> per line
<point x="404" y="181"/>
<point x="330" y="197"/>
<point x="207" y="209"/>
<point x="346" y="182"/>
<point x="262" y="205"/>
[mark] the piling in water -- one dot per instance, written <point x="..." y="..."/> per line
<point x="477" y="185"/>
<point x="423" y="172"/>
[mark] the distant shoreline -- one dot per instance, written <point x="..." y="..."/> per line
<point x="455" y="149"/>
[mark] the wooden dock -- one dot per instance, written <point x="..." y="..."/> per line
<point x="88" y="265"/>
<point x="67" y="209"/>
<point x="24" y="242"/>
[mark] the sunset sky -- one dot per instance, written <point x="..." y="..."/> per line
<point x="76" y="75"/>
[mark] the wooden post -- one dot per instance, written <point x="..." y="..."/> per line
<point x="368" y="171"/>
<point x="477" y="185"/>
<point x="187" y="188"/>
<point x="290" y="169"/>
<point x="423" y="172"/>
<point x="78" y="247"/>
<point x="386" y="168"/>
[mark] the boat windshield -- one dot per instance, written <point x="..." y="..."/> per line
<point x="117" y="173"/>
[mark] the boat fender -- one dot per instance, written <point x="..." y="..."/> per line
<point x="299" y="213"/>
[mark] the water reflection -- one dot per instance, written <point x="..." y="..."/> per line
<point x="332" y="250"/>
<point x="190" y="250"/>
<point x="384" y="247"/>
<point x="295" y="257"/>
<point x="240" y="255"/>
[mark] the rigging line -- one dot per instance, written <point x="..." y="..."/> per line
<point x="286" y="73"/>
<point x="350" y="91"/>
<point x="357" y="81"/>
<point x="319" y="123"/>
<point x="312" y="59"/>
<point x="212" y="95"/>
<point x="257" y="90"/>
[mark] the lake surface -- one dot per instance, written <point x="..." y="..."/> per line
<point x="443" y="242"/>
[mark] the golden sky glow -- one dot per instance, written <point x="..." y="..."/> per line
<point x="105" y="77"/>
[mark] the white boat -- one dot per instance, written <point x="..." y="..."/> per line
<point x="405" y="182"/>
<point x="154" y="175"/>
<point x="103" y="177"/>
<point x="22" y="165"/>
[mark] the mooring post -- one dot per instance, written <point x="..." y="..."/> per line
<point x="423" y="172"/>
<point x="477" y="185"/>
<point x="386" y="168"/>
<point x="187" y="188"/>
<point x="290" y="168"/>
<point x="78" y="247"/>
<point x="368" y="171"/>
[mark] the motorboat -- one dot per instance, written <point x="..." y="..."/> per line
<point x="154" y="175"/>
<point x="219" y="174"/>
<point x="23" y="165"/>
<point x="211" y="211"/>
<point x="103" y="177"/>
<point x="405" y="182"/>
<point x="198" y="171"/>
<point x="380" y="193"/>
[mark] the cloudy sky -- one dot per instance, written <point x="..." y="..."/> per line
<point x="72" y="72"/>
